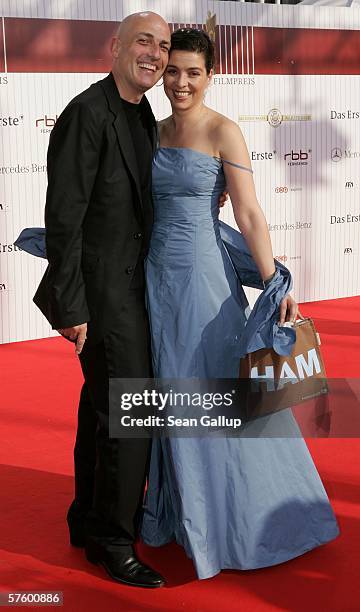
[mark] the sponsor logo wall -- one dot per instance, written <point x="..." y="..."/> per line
<point x="296" y="102"/>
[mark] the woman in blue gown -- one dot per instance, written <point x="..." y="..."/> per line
<point x="232" y="503"/>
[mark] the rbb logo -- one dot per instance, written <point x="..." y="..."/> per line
<point x="349" y="184"/>
<point x="281" y="189"/>
<point x="2" y="287"/>
<point x="297" y="156"/>
<point x="47" y="121"/>
<point x="348" y="250"/>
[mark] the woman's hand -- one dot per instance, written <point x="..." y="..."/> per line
<point x="289" y="310"/>
<point x="223" y="198"/>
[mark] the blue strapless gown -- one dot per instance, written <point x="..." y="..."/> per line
<point x="232" y="503"/>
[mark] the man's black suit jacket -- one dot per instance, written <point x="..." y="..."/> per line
<point x="94" y="212"/>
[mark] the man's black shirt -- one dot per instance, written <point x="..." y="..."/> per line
<point x="140" y="130"/>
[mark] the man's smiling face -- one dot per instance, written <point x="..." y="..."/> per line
<point x="140" y="53"/>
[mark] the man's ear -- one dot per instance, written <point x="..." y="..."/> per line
<point x="115" y="46"/>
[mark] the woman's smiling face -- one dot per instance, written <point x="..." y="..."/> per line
<point x="186" y="79"/>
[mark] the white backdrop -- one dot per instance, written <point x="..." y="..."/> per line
<point x="306" y="152"/>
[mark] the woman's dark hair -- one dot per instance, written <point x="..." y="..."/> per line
<point x="197" y="41"/>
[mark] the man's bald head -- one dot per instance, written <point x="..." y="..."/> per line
<point x="137" y="18"/>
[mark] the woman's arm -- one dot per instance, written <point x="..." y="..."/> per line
<point x="247" y="211"/>
<point x="240" y="183"/>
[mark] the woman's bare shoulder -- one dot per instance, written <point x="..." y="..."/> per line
<point x="163" y="123"/>
<point x="225" y="127"/>
<point x="230" y="140"/>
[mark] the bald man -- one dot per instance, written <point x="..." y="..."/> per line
<point x="98" y="220"/>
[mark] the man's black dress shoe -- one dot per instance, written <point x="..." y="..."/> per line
<point x="123" y="566"/>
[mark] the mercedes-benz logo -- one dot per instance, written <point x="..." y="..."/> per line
<point x="336" y="154"/>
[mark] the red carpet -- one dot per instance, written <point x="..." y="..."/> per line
<point x="39" y="391"/>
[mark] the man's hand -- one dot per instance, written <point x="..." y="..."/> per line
<point x="76" y="334"/>
<point x="223" y="198"/>
<point x="289" y="310"/>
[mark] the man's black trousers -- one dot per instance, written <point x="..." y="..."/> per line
<point x="110" y="473"/>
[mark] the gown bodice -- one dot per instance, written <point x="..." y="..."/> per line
<point x="186" y="189"/>
<point x="183" y="177"/>
<point x="188" y="261"/>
